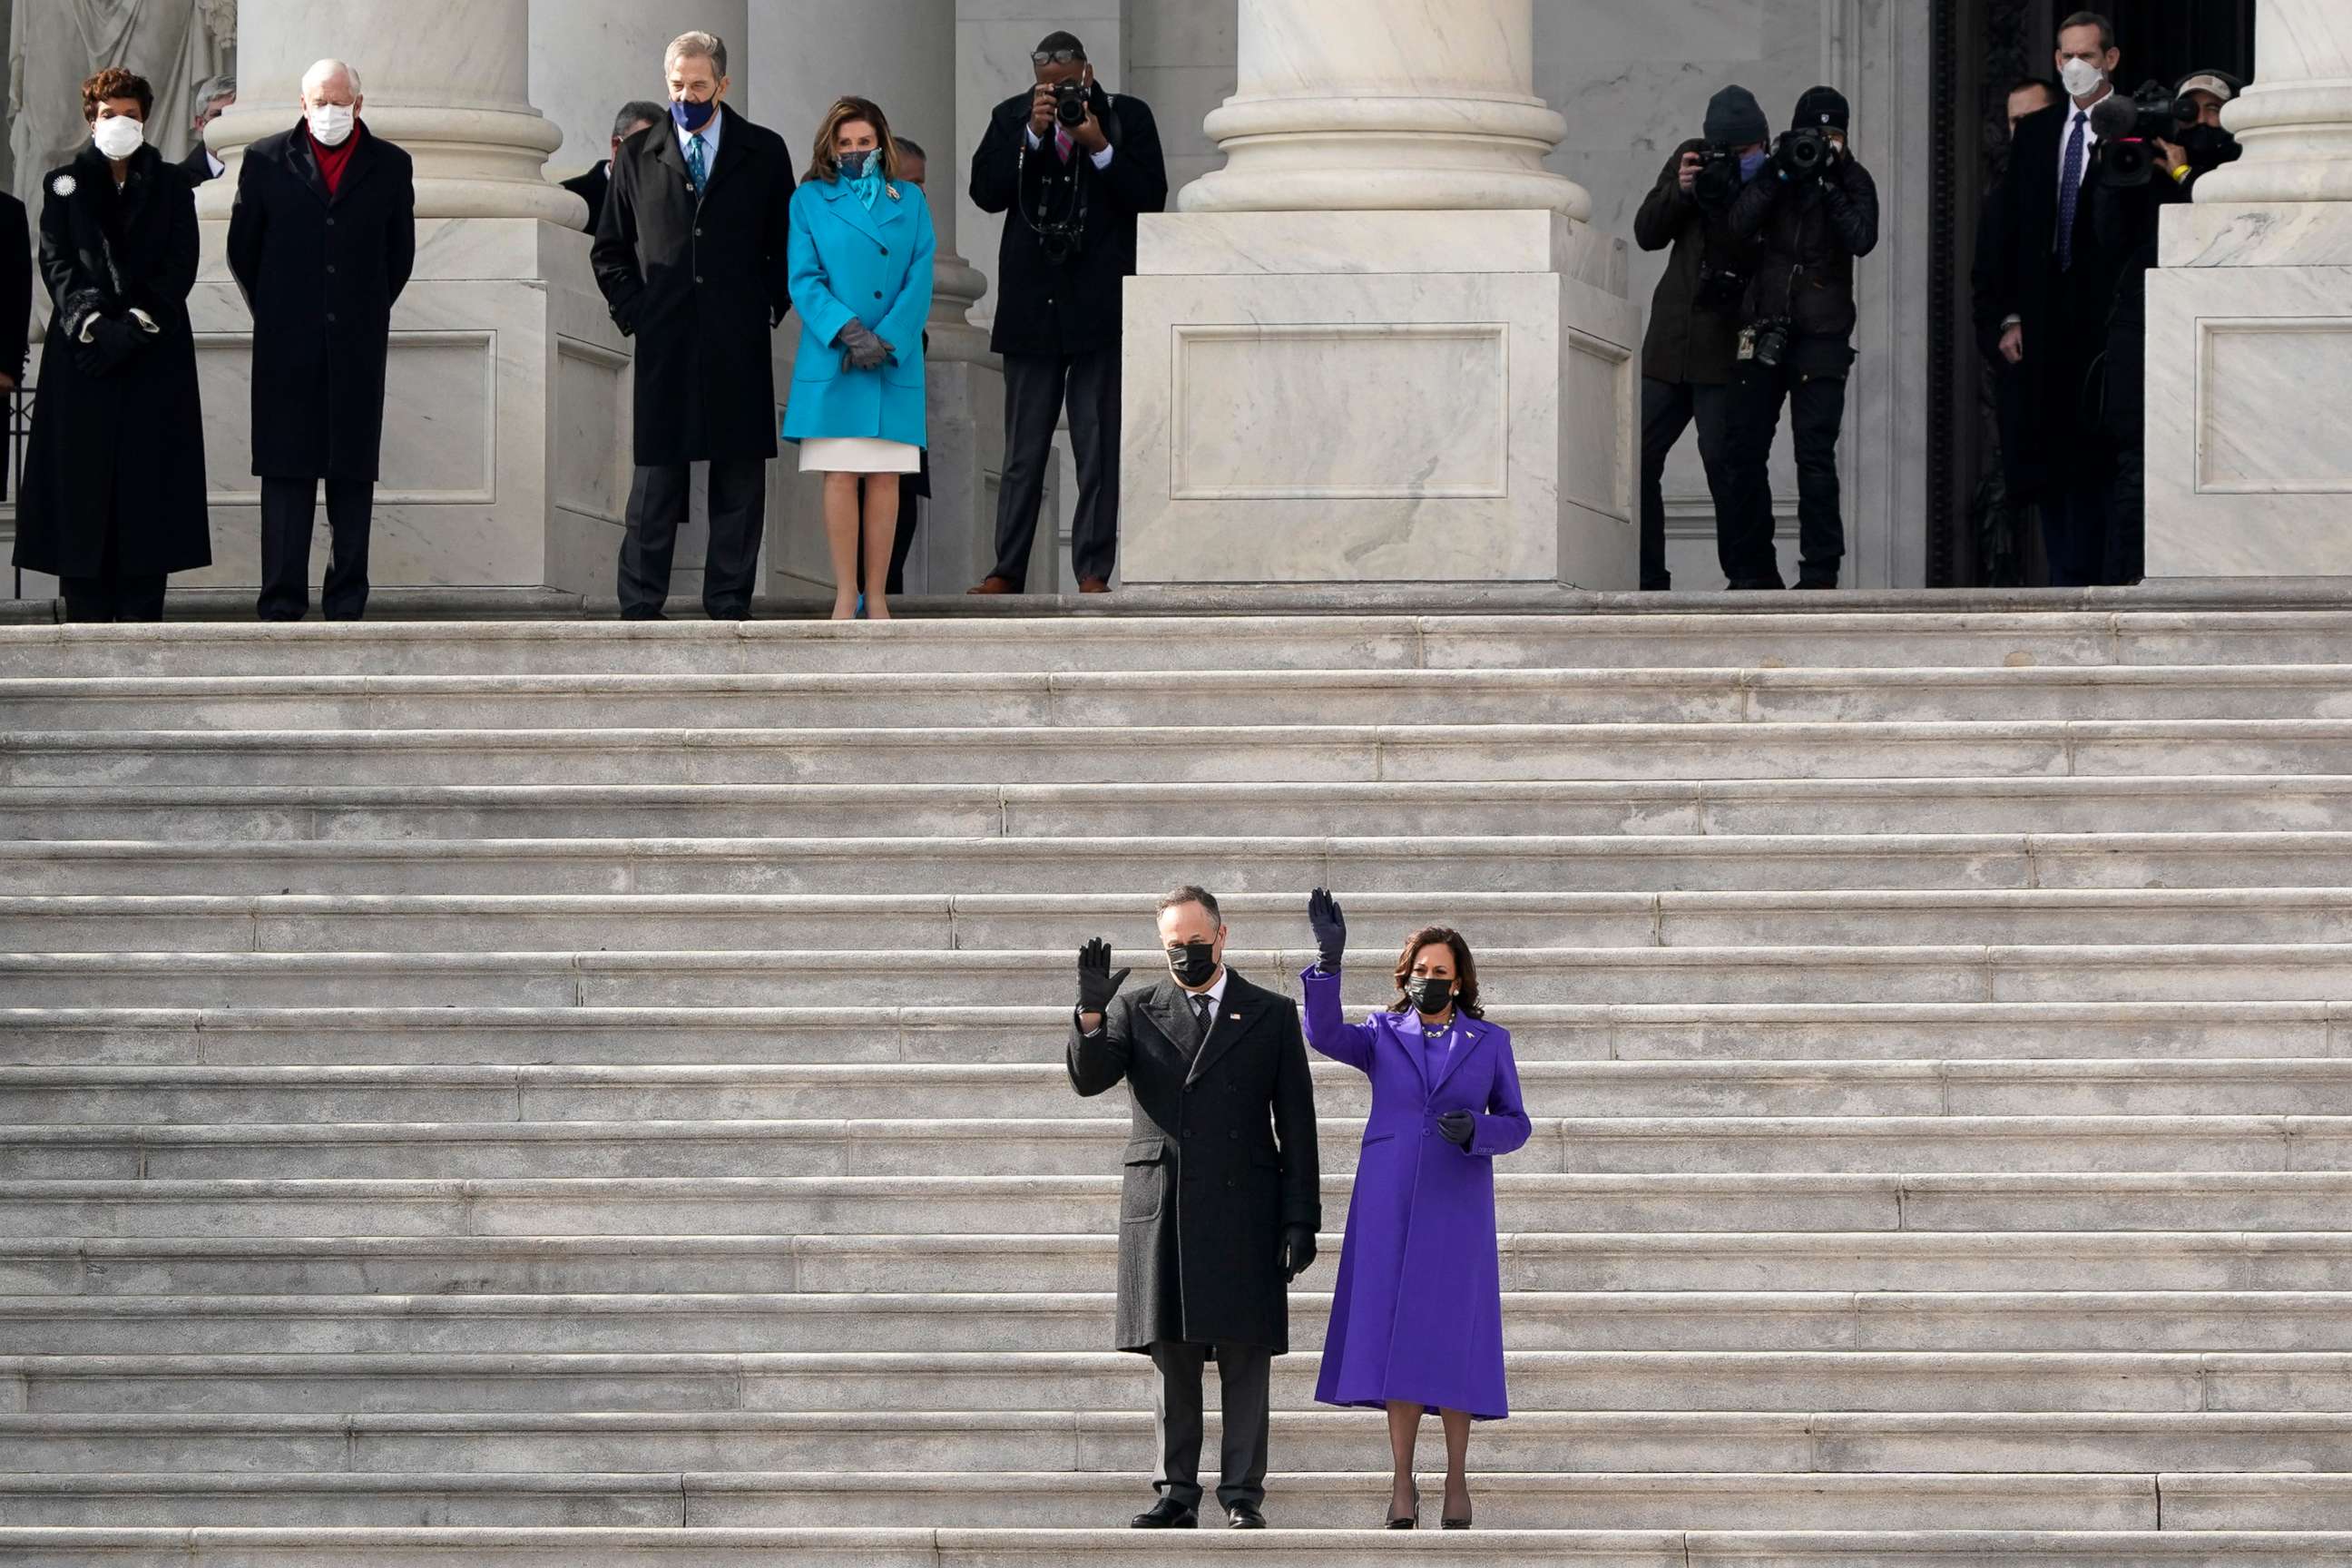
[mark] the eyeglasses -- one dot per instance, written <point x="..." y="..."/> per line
<point x="1060" y="56"/>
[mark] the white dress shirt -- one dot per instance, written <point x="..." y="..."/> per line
<point x="1101" y="159"/>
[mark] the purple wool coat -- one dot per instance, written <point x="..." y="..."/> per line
<point x="1417" y="1311"/>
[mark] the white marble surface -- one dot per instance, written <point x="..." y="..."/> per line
<point x="2295" y="117"/>
<point x="2303" y="234"/>
<point x="2249" y="473"/>
<point x="1330" y="243"/>
<point x="1365" y="428"/>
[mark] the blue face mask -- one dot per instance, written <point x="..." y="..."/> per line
<point x="692" y="117"/>
<point x="857" y="165"/>
<point x="1752" y="164"/>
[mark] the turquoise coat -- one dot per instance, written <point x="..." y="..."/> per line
<point x="874" y="266"/>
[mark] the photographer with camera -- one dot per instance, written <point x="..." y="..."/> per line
<point x="1814" y="209"/>
<point x="2153" y="147"/>
<point x="1071" y="165"/>
<point x="1686" y="355"/>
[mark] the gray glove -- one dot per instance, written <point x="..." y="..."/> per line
<point x="860" y="349"/>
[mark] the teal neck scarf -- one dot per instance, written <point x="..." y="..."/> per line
<point x="864" y="172"/>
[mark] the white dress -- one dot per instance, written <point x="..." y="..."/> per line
<point x="858" y="454"/>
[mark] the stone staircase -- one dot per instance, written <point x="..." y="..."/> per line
<point x="565" y="1094"/>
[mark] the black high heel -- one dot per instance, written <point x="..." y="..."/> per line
<point x="1411" y="1521"/>
<point x="1448" y="1521"/>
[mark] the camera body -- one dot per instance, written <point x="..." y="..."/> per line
<point x="1804" y="154"/>
<point x="1070" y="103"/>
<point x="1772" y="337"/>
<point x="1718" y="183"/>
<point x="2130" y="132"/>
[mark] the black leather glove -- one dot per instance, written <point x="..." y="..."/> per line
<point x="1097" y="984"/>
<point x="112" y="344"/>
<point x="860" y="349"/>
<point x="1457" y="1128"/>
<point x="1331" y="930"/>
<point x="1298" y="1250"/>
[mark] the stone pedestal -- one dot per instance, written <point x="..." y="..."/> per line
<point x="2249" y="326"/>
<point x="1382" y="343"/>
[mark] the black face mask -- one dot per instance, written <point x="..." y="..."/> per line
<point x="1430" y="994"/>
<point x="1192" y="963"/>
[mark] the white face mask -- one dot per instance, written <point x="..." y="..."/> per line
<point x="331" y="123"/>
<point x="119" y="135"/>
<point x="2082" y="77"/>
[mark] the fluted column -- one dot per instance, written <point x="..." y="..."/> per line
<point x="2295" y="120"/>
<point x="1382" y="104"/>
<point x="447" y="79"/>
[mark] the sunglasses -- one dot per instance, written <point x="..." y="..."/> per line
<point x="1056" y="56"/>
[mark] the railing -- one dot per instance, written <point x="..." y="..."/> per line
<point x="19" y="431"/>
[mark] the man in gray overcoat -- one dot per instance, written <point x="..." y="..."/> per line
<point x="1221" y="1198"/>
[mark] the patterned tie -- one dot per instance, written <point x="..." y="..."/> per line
<point x="696" y="170"/>
<point x="2070" y="192"/>
<point x="1062" y="143"/>
<point x="1200" y="1023"/>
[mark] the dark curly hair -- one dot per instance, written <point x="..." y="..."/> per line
<point x="1465" y="968"/>
<point x="116" y="83"/>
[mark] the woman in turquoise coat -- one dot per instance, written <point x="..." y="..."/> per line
<point x="861" y="282"/>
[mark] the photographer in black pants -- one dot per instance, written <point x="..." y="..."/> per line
<point x="1686" y="355"/>
<point x="1814" y="209"/>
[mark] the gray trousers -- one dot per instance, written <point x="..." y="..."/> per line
<point x="1244" y="1374"/>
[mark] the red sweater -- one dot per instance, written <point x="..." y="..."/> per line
<point x="332" y="160"/>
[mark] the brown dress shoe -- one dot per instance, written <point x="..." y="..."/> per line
<point x="993" y="583"/>
<point x="1094" y="586"/>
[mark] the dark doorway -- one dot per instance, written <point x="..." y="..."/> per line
<point x="1982" y="48"/>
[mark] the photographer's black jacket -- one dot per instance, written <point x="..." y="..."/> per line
<point x="1812" y="231"/>
<point x="1071" y="307"/>
<point x="1685" y="342"/>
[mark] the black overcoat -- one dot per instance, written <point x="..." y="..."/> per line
<point x="1685" y="342"/>
<point x="121" y="452"/>
<point x="320" y="273"/>
<point x="2064" y="313"/>
<point x="16" y="298"/>
<point x="198" y="164"/>
<point x="1070" y="307"/>
<point x="1219" y="1157"/>
<point x="700" y="284"/>
<point x="591" y="187"/>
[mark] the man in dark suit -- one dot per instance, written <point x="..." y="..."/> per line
<point x="2050" y="292"/>
<point x="1996" y="511"/>
<point x="692" y="255"/>
<point x="320" y="240"/>
<point x="212" y="97"/>
<point x="1221" y="1197"/>
<point x="1072" y="191"/>
<point x="636" y="115"/>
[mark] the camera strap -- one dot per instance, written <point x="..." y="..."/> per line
<point x="1041" y="223"/>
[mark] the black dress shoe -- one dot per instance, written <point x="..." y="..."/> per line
<point x="1244" y="1516"/>
<point x="1166" y="1514"/>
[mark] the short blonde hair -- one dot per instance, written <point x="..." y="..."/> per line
<point x="704" y="45"/>
<point x="824" y="165"/>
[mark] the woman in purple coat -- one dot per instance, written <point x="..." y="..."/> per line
<point x="1417" y="1311"/>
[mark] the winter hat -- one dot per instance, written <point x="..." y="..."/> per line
<point x="1821" y="108"/>
<point x="1734" y="119"/>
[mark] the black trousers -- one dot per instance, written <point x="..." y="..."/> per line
<point x="1035" y="388"/>
<point x="1668" y="407"/>
<point x="2123" y="558"/>
<point x="657" y="505"/>
<point x="1244" y="1374"/>
<point x="115" y="596"/>
<point x="1816" y="413"/>
<point x="287" y="508"/>
<point x="2075" y="532"/>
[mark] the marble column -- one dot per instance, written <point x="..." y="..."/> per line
<point x="506" y="428"/>
<point x="1382" y="343"/>
<point x="2250" y="325"/>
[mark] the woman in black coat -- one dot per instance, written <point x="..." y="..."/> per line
<point x="113" y="494"/>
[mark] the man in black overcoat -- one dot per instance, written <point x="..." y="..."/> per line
<point x="321" y="240"/>
<point x="1070" y="193"/>
<point x="635" y="116"/>
<point x="2049" y="292"/>
<point x="212" y="98"/>
<point x="1221" y="1197"/>
<point x="694" y="266"/>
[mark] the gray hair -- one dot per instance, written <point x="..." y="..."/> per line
<point x="324" y="72"/>
<point x="221" y="86"/>
<point x="636" y="112"/>
<point x="686" y="46"/>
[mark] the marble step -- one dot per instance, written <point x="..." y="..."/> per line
<point x="1062" y="1145"/>
<point x="1097" y="700"/>
<point x="851" y="978"/>
<point x="1317" y="1500"/>
<point x="1065" y="642"/>
<point x="1072" y="1381"/>
<point x="629" y="1265"/>
<point x="932" y="1322"/>
<point x="488" y="922"/>
<point x="220" y="1095"/>
<point x="1542" y="1441"/>
<point x="2213" y="804"/>
<point x="1659" y="1031"/>
<point x="1089" y="1204"/>
<point x="1293" y="753"/>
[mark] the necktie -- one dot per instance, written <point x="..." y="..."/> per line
<point x="1200" y="1023"/>
<point x="1062" y="143"/>
<point x="2070" y="192"/>
<point x="697" y="169"/>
